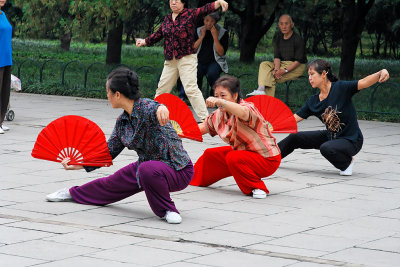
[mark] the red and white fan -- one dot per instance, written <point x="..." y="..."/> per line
<point x="73" y="137"/>
<point x="181" y="117"/>
<point x="275" y="112"/>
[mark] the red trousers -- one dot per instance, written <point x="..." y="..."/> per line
<point x="247" y="168"/>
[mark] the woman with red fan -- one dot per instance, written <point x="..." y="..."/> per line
<point x="163" y="166"/>
<point x="342" y="139"/>
<point x="252" y="152"/>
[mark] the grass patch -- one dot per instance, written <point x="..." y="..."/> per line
<point x="82" y="72"/>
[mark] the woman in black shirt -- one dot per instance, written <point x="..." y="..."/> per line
<point x="342" y="138"/>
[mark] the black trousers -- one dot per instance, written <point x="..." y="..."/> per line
<point x="5" y="83"/>
<point x="338" y="152"/>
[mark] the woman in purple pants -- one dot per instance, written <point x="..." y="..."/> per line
<point x="163" y="166"/>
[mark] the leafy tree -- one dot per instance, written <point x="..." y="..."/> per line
<point x="100" y="16"/>
<point x="47" y="19"/>
<point x="256" y="17"/>
<point x="383" y="21"/>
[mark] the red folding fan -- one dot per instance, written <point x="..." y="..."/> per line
<point x="181" y="117"/>
<point x="73" y="137"/>
<point x="275" y="112"/>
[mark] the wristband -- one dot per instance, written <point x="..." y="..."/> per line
<point x="286" y="70"/>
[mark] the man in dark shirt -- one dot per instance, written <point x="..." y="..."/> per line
<point x="289" y="59"/>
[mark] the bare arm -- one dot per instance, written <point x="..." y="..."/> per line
<point x="380" y="76"/>
<point x="298" y="118"/>
<point x="241" y="112"/>
<point x="203" y="128"/>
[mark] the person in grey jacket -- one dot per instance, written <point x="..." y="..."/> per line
<point x="211" y="45"/>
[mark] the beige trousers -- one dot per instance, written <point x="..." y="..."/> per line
<point x="266" y="77"/>
<point x="186" y="69"/>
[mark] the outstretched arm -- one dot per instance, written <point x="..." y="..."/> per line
<point x="234" y="108"/>
<point x="380" y="76"/>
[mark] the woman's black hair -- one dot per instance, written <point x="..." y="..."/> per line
<point x="231" y="83"/>
<point x="125" y="81"/>
<point x="185" y="3"/>
<point x="321" y="65"/>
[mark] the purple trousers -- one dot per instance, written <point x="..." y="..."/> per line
<point x="157" y="180"/>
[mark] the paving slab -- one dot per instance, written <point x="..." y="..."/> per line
<point x="312" y="216"/>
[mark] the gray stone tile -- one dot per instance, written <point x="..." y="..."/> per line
<point x="186" y="247"/>
<point x="236" y="258"/>
<point x="95" y="239"/>
<point x="315" y="242"/>
<point x="223" y="238"/>
<point x="189" y="224"/>
<point x="10" y="260"/>
<point x="44" y="226"/>
<point x="263" y="226"/>
<point x="11" y="235"/>
<point x="89" y="218"/>
<point x="366" y="256"/>
<point x="293" y="251"/>
<point x="45" y="250"/>
<point x="388" y="244"/>
<point x="143" y="255"/>
<point x="87" y="262"/>
<point x="351" y="231"/>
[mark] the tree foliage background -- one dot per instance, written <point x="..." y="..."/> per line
<point x="345" y="28"/>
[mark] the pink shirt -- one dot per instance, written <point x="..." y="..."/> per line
<point x="252" y="135"/>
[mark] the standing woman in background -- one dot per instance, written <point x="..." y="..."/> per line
<point x="5" y="65"/>
<point x="179" y="33"/>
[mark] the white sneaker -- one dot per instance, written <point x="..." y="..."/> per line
<point x="349" y="170"/>
<point x="5" y="128"/>
<point x="172" y="217"/>
<point x="258" y="193"/>
<point x="257" y="92"/>
<point x="60" y="195"/>
<point x="1" y="131"/>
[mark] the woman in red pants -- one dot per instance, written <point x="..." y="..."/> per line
<point x="252" y="152"/>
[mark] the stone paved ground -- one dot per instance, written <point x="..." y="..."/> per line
<point x="313" y="216"/>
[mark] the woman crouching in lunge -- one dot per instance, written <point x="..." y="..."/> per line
<point x="163" y="166"/>
<point x="342" y="139"/>
<point x="252" y="152"/>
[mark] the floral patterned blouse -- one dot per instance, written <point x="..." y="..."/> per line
<point x="180" y="35"/>
<point x="142" y="132"/>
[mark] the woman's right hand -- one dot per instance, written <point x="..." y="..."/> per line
<point x="221" y="3"/>
<point x="140" y="42"/>
<point x="65" y="162"/>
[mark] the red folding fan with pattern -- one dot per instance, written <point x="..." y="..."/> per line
<point x="181" y="117"/>
<point x="275" y="112"/>
<point x="73" y="137"/>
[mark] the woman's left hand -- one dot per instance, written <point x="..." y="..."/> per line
<point x="163" y="115"/>
<point x="384" y="76"/>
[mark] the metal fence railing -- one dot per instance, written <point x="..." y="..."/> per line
<point x="383" y="98"/>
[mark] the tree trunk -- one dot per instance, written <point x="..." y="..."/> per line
<point x="255" y="24"/>
<point x="65" y="41"/>
<point x="353" y="24"/>
<point x="114" y="44"/>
